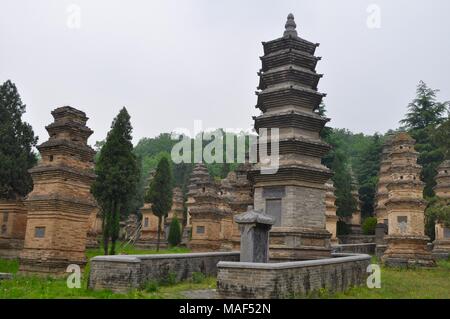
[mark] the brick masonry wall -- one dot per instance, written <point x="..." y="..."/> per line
<point x="122" y="273"/>
<point x="290" y="279"/>
<point x="367" y="248"/>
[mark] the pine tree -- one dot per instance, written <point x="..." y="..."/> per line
<point x="117" y="178"/>
<point x="16" y="145"/>
<point x="174" y="237"/>
<point x="160" y="193"/>
<point x="424" y="116"/>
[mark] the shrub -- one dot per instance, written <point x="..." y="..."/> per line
<point x="198" y="277"/>
<point x="369" y="225"/>
<point x="342" y="228"/>
<point x="152" y="286"/>
<point x="170" y="279"/>
<point x="174" y="233"/>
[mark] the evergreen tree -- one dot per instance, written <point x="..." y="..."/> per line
<point x="117" y="178"/>
<point x="16" y="145"/>
<point x="424" y="116"/>
<point x="160" y="193"/>
<point x="174" y="237"/>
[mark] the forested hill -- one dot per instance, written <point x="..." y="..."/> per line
<point x="354" y="157"/>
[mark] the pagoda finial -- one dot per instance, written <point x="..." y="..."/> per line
<point x="290" y="26"/>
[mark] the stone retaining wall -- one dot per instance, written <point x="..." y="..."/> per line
<point x="367" y="248"/>
<point x="291" y="279"/>
<point x="356" y="239"/>
<point x="124" y="272"/>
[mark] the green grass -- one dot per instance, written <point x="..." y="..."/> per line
<point x="405" y="284"/>
<point x="395" y="283"/>
<point x="30" y="287"/>
<point x="131" y="250"/>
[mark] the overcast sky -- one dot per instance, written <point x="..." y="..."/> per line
<point x="173" y="62"/>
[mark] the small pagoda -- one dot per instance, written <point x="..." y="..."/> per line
<point x="441" y="244"/>
<point x="13" y="223"/>
<point x="331" y="218"/>
<point x="149" y="223"/>
<point x="177" y="210"/>
<point x="61" y="203"/>
<point x="295" y="194"/>
<point x="381" y="195"/>
<point x="238" y="193"/>
<point x="406" y="240"/>
<point x="210" y="217"/>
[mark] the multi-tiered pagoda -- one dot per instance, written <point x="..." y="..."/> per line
<point x="61" y="202"/>
<point x="330" y="205"/>
<point x="295" y="194"/>
<point x="177" y="210"/>
<point x="381" y="195"/>
<point x="210" y="216"/>
<point x="441" y="245"/>
<point x="407" y="243"/>
<point x="238" y="193"/>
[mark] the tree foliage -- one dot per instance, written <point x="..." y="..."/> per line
<point x="160" y="193"/>
<point x="174" y="237"/>
<point x="117" y="179"/>
<point x="16" y="145"/>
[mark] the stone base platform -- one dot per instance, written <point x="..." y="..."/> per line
<point x="10" y="248"/>
<point x="54" y="267"/>
<point x="151" y="244"/>
<point x="289" y="243"/>
<point x="291" y="279"/>
<point x="407" y="251"/>
<point x="441" y="249"/>
<point x="122" y="273"/>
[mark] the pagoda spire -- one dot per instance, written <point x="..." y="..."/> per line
<point x="290" y="26"/>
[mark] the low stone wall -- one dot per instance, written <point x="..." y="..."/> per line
<point x="124" y="272"/>
<point x="5" y="276"/>
<point x="291" y="279"/>
<point x="356" y="239"/>
<point x="367" y="248"/>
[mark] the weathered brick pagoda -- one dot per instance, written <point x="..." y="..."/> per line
<point x="13" y="223"/>
<point x="441" y="245"/>
<point x="331" y="218"/>
<point x="61" y="202"/>
<point x="295" y="194"/>
<point x="177" y="210"/>
<point x="407" y="243"/>
<point x="381" y="195"/>
<point x="238" y="193"/>
<point x="211" y="217"/>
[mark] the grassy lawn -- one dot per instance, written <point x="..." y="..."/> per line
<point x="395" y="283"/>
<point x="47" y="288"/>
<point x="406" y="283"/>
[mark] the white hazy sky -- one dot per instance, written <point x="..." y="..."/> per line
<point x="173" y="62"/>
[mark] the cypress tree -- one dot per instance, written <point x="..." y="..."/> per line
<point x="174" y="233"/>
<point x="160" y="193"/>
<point x="117" y="172"/>
<point x="16" y="145"/>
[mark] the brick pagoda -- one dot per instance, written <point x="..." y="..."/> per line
<point x="61" y="202"/>
<point x="441" y="245"/>
<point x="295" y="194"/>
<point x="407" y="243"/>
<point x="331" y="218"/>
<point x="177" y="210"/>
<point x="13" y="223"/>
<point x="211" y="218"/>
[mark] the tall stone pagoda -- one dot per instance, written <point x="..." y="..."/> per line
<point x="295" y="194"/>
<point x="407" y="243"/>
<point x="331" y="218"/>
<point x="61" y="203"/>
<point x="441" y="244"/>
<point x="354" y="221"/>
<point x="211" y="217"/>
